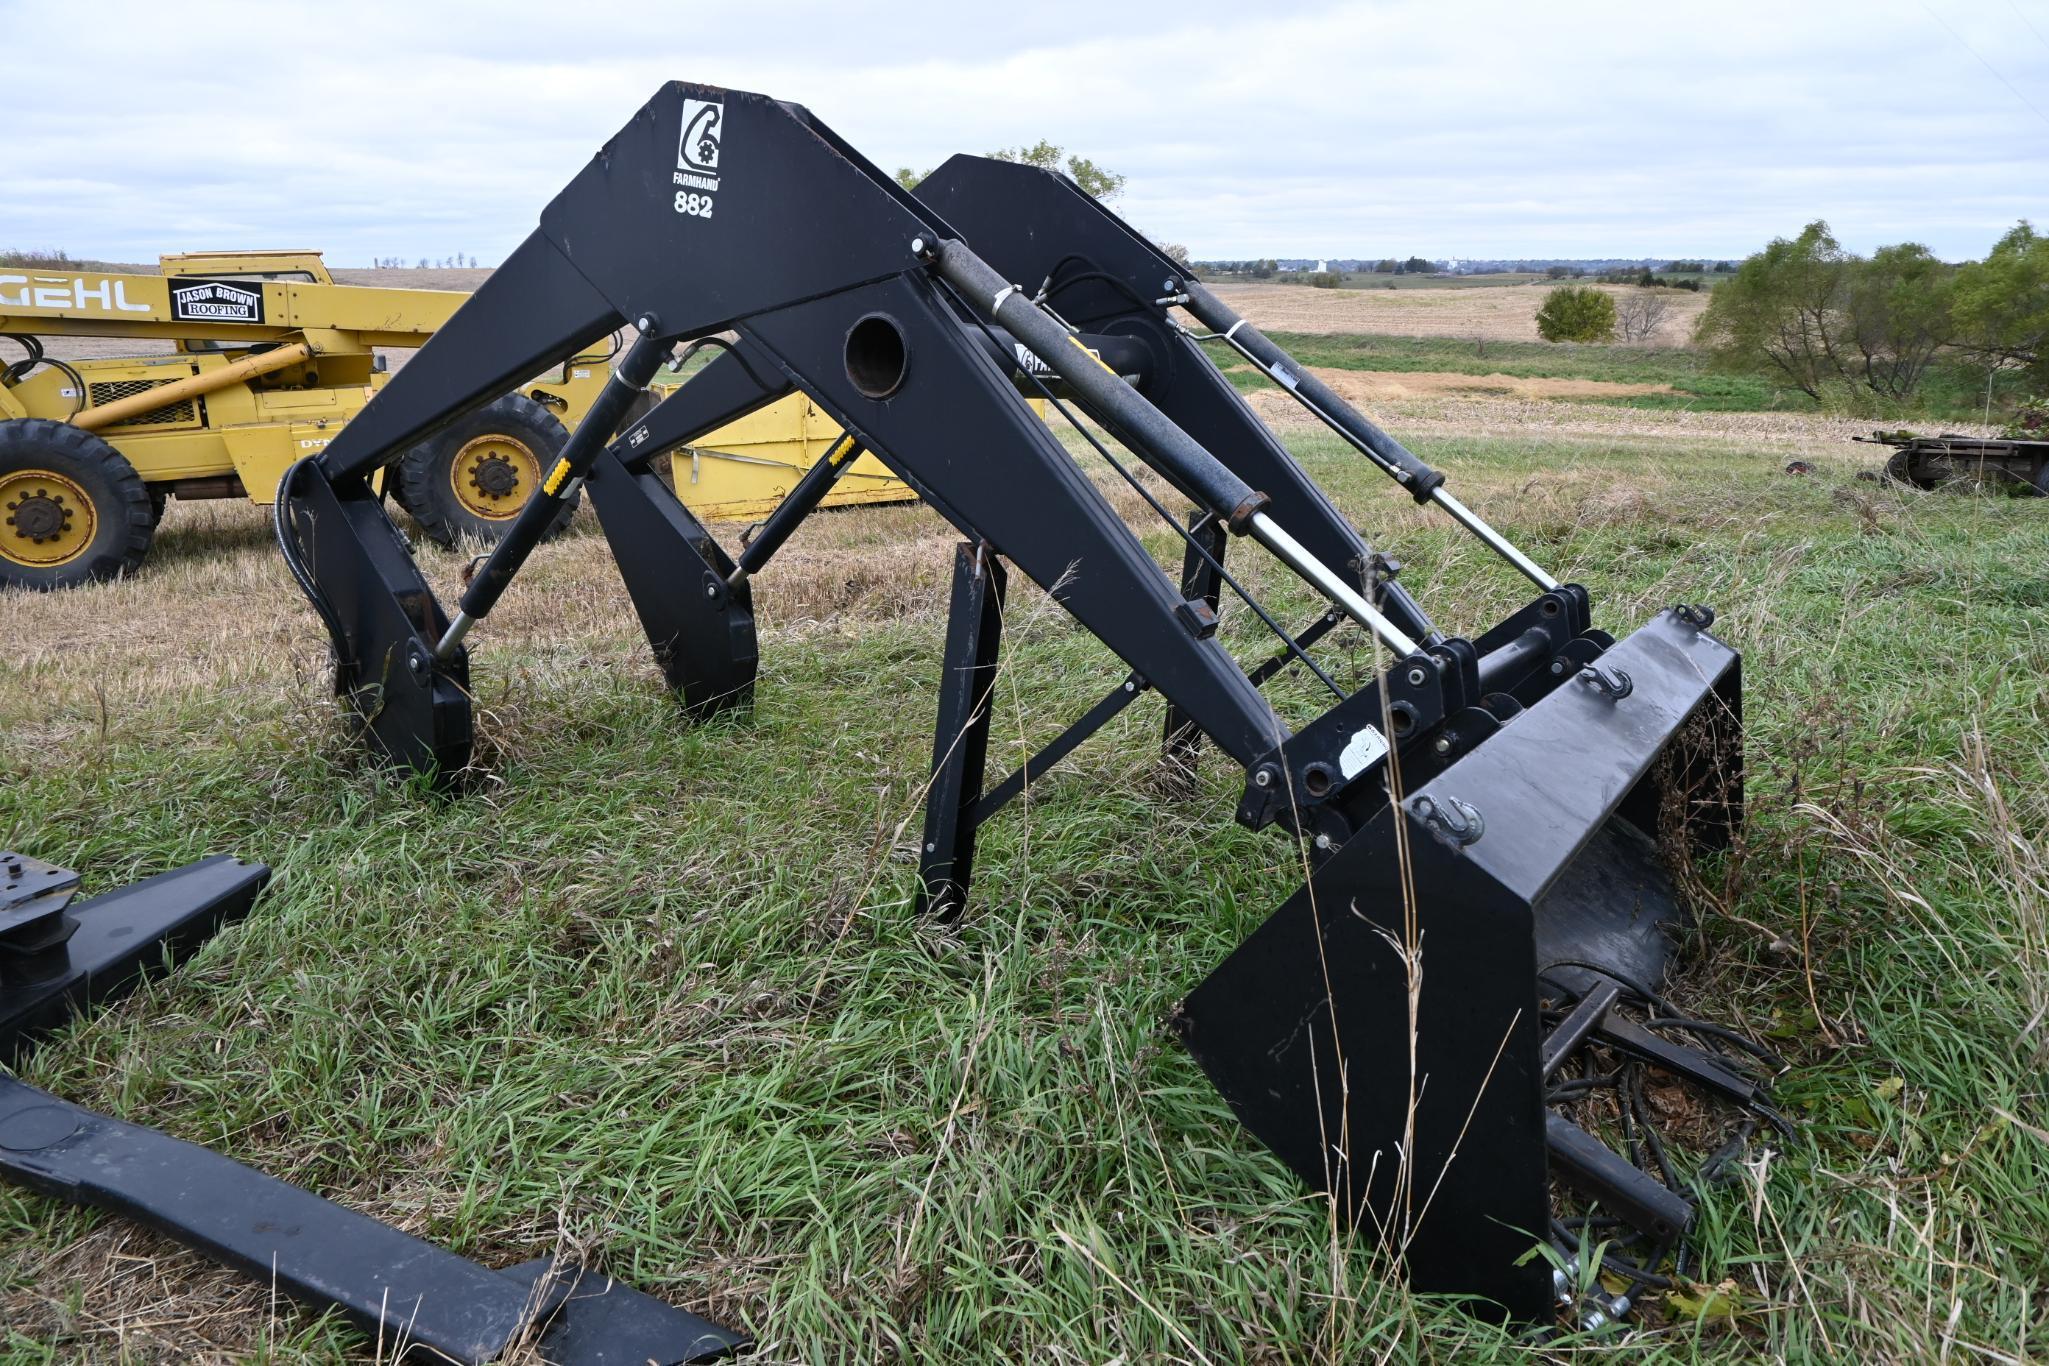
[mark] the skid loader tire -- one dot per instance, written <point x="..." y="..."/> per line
<point x="72" y="509"/>
<point x="472" y="477"/>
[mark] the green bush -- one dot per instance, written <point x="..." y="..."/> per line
<point x="1576" y="313"/>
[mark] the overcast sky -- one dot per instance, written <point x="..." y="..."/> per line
<point x="1447" y="128"/>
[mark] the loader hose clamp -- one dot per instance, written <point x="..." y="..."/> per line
<point x="1613" y="684"/>
<point x="1457" y="822"/>
<point x="1699" y="616"/>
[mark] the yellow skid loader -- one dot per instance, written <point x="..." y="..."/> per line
<point x="270" y="358"/>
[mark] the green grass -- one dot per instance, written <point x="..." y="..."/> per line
<point x="655" y="989"/>
<point x="1952" y="391"/>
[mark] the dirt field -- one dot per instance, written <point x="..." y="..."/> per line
<point x="1503" y="313"/>
<point x="1369" y="386"/>
<point x="1485" y="313"/>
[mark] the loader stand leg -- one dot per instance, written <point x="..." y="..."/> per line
<point x="700" y="626"/>
<point x="1200" y="582"/>
<point x="974" y="633"/>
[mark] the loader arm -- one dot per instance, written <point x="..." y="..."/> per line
<point x="239" y="312"/>
<point x="805" y="250"/>
<point x="1040" y="228"/>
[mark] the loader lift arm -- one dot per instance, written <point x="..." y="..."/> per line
<point x="1497" y="797"/>
<point x="834" y="297"/>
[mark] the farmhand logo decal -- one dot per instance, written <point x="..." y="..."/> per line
<point x="697" y="156"/>
<point x="216" y="301"/>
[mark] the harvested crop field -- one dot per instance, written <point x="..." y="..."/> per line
<point x="1503" y="313"/>
<point x="1482" y="313"/>
<point x="1380" y="386"/>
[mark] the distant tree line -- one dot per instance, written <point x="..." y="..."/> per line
<point x="1827" y="320"/>
<point x="1258" y="270"/>
<point x="1268" y="268"/>
<point x="455" y="262"/>
<point x="50" y="259"/>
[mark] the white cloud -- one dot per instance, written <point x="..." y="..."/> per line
<point x="1587" y="128"/>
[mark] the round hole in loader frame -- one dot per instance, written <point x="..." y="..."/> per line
<point x="876" y="356"/>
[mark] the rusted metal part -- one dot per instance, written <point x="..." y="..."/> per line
<point x="1934" y="462"/>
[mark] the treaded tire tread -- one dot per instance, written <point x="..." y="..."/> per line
<point x="121" y="501"/>
<point x="421" y="484"/>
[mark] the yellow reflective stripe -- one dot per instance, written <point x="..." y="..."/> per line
<point x="557" y="477"/>
<point x="1090" y="354"/>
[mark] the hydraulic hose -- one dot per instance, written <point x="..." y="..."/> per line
<point x="295" y="556"/>
<point x="1424" y="484"/>
<point x="1149" y="431"/>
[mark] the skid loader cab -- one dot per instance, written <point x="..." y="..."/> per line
<point x="302" y="267"/>
<point x="1492" y="822"/>
<point x="285" y="267"/>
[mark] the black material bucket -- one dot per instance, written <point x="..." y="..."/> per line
<point x="1547" y="846"/>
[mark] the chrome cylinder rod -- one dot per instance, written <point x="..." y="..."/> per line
<point x="1394" y="459"/>
<point x="1331" y="584"/>
<point x="1148" y="431"/>
<point x="1496" y="542"/>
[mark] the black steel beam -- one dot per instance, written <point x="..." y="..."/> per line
<point x="105" y="945"/>
<point x="1568" y="1034"/>
<point x="960" y="741"/>
<point x="1062" y="745"/>
<point x="390" y="1284"/>
<point x="1596" y="1171"/>
<point x="1202" y="581"/>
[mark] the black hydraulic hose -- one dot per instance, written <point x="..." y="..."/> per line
<point x="1396" y="459"/>
<point x="22" y="367"/>
<point x="1177" y="455"/>
<point x="1224" y="575"/>
<point x="1054" y="286"/>
<point x="1148" y="431"/>
<point x="295" y="557"/>
<point x="1126" y="356"/>
<point x="629" y="380"/>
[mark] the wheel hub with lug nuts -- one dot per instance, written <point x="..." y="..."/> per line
<point x="45" y="518"/>
<point x="492" y="476"/>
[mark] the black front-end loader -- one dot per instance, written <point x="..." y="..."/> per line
<point x="1491" y="824"/>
